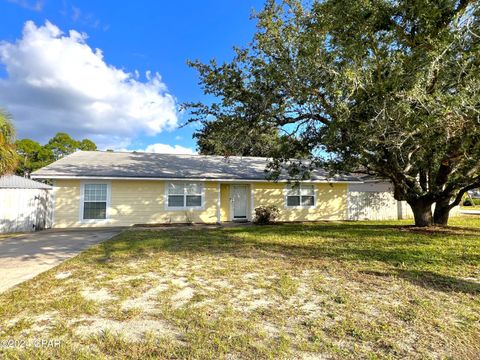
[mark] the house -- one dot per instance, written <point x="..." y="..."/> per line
<point x="25" y="205"/>
<point x="94" y="188"/>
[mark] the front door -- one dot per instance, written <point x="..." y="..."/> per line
<point x="239" y="201"/>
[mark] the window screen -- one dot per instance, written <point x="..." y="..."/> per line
<point x="184" y="195"/>
<point x="303" y="195"/>
<point x="95" y="201"/>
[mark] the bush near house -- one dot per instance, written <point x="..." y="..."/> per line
<point x="471" y="202"/>
<point x="265" y="215"/>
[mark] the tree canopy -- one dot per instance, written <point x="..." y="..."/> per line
<point x="234" y="138"/>
<point x="33" y="156"/>
<point x="8" y="158"/>
<point x="388" y="88"/>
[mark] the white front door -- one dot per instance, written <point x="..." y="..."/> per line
<point x="239" y="201"/>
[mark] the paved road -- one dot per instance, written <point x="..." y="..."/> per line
<point x="25" y="256"/>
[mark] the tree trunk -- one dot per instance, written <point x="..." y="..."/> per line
<point x="422" y="212"/>
<point x="442" y="212"/>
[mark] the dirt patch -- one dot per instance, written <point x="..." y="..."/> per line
<point x="146" y="303"/>
<point x="97" y="295"/>
<point x="133" y="330"/>
<point x="63" y="275"/>
<point x="182" y="297"/>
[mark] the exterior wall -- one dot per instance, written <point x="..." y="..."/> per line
<point x="372" y="201"/>
<point x="143" y="202"/>
<point x="330" y="202"/>
<point x="225" y="202"/>
<point x="25" y="210"/>
<point x="132" y="202"/>
<point x="375" y="201"/>
<point x="66" y="212"/>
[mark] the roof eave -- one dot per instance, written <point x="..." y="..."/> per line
<point x="83" y="177"/>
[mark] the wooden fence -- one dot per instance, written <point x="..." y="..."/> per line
<point x="375" y="201"/>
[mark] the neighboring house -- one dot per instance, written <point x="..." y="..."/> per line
<point x="25" y="205"/>
<point x="127" y="188"/>
<point x="475" y="194"/>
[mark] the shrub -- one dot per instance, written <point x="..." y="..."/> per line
<point x="265" y="214"/>
<point x="467" y="202"/>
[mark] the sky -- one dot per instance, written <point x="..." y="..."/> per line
<point x="113" y="71"/>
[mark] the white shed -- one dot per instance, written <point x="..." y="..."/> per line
<point x="25" y="205"/>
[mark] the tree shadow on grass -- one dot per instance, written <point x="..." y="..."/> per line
<point x="431" y="280"/>
<point x="345" y="243"/>
<point x="435" y="281"/>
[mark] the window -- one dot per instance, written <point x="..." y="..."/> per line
<point x="184" y="195"/>
<point x="95" y="201"/>
<point x="303" y="195"/>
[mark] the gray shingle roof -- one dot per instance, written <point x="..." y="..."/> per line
<point x="17" y="182"/>
<point x="165" y="166"/>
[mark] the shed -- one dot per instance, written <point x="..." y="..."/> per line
<point x="25" y="204"/>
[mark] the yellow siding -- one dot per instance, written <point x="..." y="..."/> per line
<point x="225" y="202"/>
<point x="67" y="203"/>
<point x="132" y="202"/>
<point x="143" y="202"/>
<point x="331" y="202"/>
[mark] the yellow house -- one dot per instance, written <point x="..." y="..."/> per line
<point x="94" y="188"/>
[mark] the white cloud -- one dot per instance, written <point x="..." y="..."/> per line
<point x="168" y="149"/>
<point x="57" y="82"/>
<point x="30" y="5"/>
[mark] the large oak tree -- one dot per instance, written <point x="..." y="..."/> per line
<point x="388" y="88"/>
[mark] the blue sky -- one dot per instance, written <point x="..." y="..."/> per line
<point x="48" y="76"/>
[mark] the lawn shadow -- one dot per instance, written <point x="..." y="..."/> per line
<point x="363" y="243"/>
<point x="435" y="281"/>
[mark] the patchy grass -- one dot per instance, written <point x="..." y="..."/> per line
<point x="377" y="290"/>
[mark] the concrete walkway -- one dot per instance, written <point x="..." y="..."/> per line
<point x="25" y="256"/>
<point x="470" y="212"/>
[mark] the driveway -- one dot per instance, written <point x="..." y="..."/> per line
<point x="25" y="256"/>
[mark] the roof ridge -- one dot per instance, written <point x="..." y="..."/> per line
<point x="172" y="154"/>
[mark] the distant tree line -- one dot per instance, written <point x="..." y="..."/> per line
<point x="33" y="156"/>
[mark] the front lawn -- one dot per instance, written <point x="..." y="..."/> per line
<point x="330" y="290"/>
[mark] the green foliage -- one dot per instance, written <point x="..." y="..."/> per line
<point x="467" y="202"/>
<point x="8" y="159"/>
<point x="61" y="145"/>
<point x="237" y="138"/>
<point x="33" y="156"/>
<point x="471" y="202"/>
<point x="388" y="88"/>
<point x="265" y="215"/>
<point x="87" y="145"/>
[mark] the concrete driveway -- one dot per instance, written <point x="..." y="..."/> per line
<point x="25" y="256"/>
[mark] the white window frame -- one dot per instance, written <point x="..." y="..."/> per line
<point x="184" y="208"/>
<point x="300" y="186"/>
<point x="82" y="202"/>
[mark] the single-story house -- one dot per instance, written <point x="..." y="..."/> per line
<point x="95" y="188"/>
<point x="25" y="204"/>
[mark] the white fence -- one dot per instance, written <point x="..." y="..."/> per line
<point x="25" y="209"/>
<point x="374" y="201"/>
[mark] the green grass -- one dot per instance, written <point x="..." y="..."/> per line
<point x="376" y="290"/>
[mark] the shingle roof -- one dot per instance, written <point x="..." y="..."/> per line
<point x="17" y="182"/>
<point x="165" y="166"/>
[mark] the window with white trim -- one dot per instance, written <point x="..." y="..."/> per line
<point x="302" y="195"/>
<point x="95" y="201"/>
<point x="184" y="195"/>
